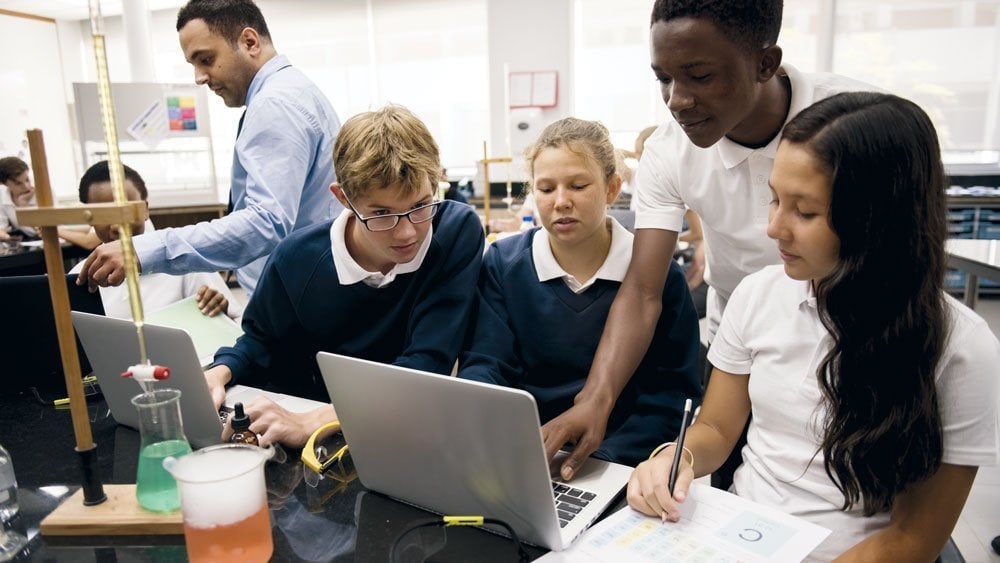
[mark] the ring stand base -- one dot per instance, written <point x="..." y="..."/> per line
<point x="120" y="515"/>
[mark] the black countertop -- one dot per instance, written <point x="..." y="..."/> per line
<point x="330" y="522"/>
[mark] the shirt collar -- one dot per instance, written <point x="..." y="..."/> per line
<point x="733" y="153"/>
<point x="272" y="66"/>
<point x="613" y="268"/>
<point x="806" y="295"/>
<point x="349" y="272"/>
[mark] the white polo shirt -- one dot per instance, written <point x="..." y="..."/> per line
<point x="613" y="269"/>
<point x="771" y="330"/>
<point x="349" y="272"/>
<point x="160" y="290"/>
<point x="726" y="184"/>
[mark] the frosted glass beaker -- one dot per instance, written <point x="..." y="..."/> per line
<point x="224" y="503"/>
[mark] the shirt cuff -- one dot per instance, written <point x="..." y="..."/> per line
<point x="151" y="250"/>
<point x="230" y="358"/>
<point x="664" y="219"/>
<point x="717" y="360"/>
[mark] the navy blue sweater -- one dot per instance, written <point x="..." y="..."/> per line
<point x="300" y="308"/>
<point x="541" y="337"/>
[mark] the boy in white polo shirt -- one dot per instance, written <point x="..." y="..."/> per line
<point x="720" y="71"/>
<point x="158" y="290"/>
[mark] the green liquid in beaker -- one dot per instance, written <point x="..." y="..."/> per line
<point x="155" y="488"/>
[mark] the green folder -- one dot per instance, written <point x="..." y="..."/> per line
<point x="208" y="333"/>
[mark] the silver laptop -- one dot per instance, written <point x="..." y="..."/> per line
<point x="461" y="447"/>
<point x="112" y="347"/>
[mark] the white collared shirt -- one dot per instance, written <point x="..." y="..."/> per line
<point x="771" y="330"/>
<point x="349" y="272"/>
<point x="161" y="290"/>
<point x="613" y="268"/>
<point x="726" y="184"/>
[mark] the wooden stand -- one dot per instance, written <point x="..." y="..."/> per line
<point x="121" y="515"/>
<point x="88" y="501"/>
<point x="486" y="182"/>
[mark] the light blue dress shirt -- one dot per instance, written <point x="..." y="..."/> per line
<point x="282" y="171"/>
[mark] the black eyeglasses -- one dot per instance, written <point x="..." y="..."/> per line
<point x="387" y="222"/>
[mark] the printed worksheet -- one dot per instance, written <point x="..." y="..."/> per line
<point x="715" y="526"/>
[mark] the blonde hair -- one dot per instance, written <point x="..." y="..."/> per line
<point x="623" y="170"/>
<point x="382" y="148"/>
<point x="588" y="139"/>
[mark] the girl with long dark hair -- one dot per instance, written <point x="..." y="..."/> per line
<point x="873" y="393"/>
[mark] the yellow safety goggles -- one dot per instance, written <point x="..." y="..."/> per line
<point x="318" y="462"/>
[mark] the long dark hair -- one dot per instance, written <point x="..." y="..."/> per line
<point x="883" y="303"/>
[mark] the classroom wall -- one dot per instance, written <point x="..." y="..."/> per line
<point x="32" y="97"/>
<point x="544" y="36"/>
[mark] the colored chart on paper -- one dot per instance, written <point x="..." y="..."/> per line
<point x="714" y="526"/>
<point x="756" y="534"/>
<point x="181" y="113"/>
<point x="638" y="538"/>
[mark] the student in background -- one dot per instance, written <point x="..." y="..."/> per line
<point x="632" y="162"/>
<point x="16" y="190"/>
<point x="157" y="290"/>
<point x="281" y="168"/>
<point x="694" y="265"/>
<point x="450" y="190"/>
<point x="874" y="394"/>
<point x="545" y="294"/>
<point x="392" y="279"/>
<point x="721" y="76"/>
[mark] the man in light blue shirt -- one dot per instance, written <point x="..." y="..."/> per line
<point x="282" y="161"/>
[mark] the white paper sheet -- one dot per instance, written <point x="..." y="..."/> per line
<point x="715" y="526"/>
<point x="150" y="126"/>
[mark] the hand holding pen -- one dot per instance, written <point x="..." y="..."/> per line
<point x="651" y="486"/>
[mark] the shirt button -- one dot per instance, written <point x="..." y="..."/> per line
<point x="763" y="201"/>
<point x="760" y="178"/>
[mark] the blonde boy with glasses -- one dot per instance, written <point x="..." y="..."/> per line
<point x="392" y="279"/>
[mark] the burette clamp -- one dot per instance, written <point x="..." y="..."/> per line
<point x="147" y="373"/>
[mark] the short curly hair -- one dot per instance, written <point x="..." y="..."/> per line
<point x="101" y="172"/>
<point x="11" y="167"/>
<point x="750" y="24"/>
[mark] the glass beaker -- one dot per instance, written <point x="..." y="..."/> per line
<point x="161" y="436"/>
<point x="224" y="503"/>
<point x="11" y="542"/>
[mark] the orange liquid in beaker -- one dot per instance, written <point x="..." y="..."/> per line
<point x="245" y="541"/>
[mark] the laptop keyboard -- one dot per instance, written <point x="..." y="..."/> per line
<point x="569" y="501"/>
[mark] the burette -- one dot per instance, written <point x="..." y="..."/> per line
<point x="117" y="178"/>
